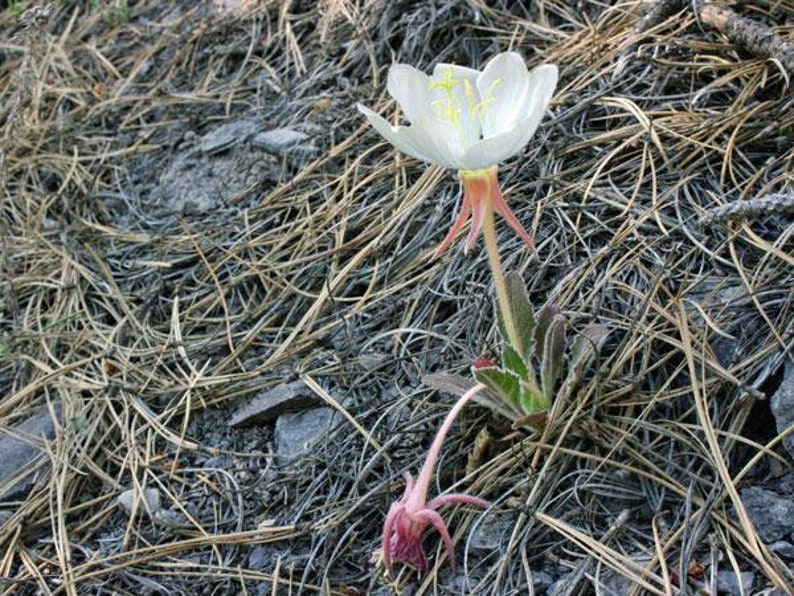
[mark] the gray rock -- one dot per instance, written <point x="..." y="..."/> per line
<point x="491" y="533"/>
<point x="131" y="501"/>
<point x="783" y="548"/>
<point x="20" y="447"/>
<point x="268" y="405"/>
<point x="728" y="582"/>
<point x="264" y="558"/>
<point x="280" y="141"/>
<point x="195" y="183"/>
<point x="297" y="432"/>
<point x="541" y="579"/>
<point x="609" y="581"/>
<point x="225" y="136"/>
<point x="782" y="405"/>
<point x="772" y="515"/>
<point x="171" y="518"/>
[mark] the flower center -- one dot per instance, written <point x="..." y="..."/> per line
<point x="464" y="108"/>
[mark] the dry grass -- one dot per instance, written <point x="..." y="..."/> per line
<point x="133" y="322"/>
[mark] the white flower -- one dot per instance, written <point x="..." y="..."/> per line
<point x="470" y="121"/>
<point x="465" y="119"/>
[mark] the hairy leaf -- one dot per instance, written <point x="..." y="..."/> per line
<point x="553" y="354"/>
<point x="523" y="315"/>
<point x="543" y="320"/>
<point x="513" y="362"/>
<point x="505" y="383"/>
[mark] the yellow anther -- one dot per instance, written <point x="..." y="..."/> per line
<point x="478" y="111"/>
<point x="447" y="108"/>
<point x="446" y="84"/>
<point x="471" y="98"/>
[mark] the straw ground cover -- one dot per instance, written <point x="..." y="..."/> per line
<point x="149" y="290"/>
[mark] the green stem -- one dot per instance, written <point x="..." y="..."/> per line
<point x="489" y="233"/>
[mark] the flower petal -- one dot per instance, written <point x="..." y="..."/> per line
<point x="465" y="119"/>
<point x="542" y="83"/>
<point x="432" y="517"/>
<point x="454" y="99"/>
<point x="404" y="138"/>
<point x="388" y="529"/>
<point x="459" y="72"/>
<point x="411" y="88"/>
<point x="409" y="486"/>
<point x="496" y="149"/>
<point x="426" y="139"/>
<point x="504" y="85"/>
<point x="438" y="140"/>
<point x="517" y="95"/>
<point x="461" y="498"/>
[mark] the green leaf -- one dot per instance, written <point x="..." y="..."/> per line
<point x="553" y="354"/>
<point x="523" y="314"/>
<point x="458" y="385"/>
<point x="531" y="400"/>
<point x="543" y="320"/>
<point x="586" y="344"/>
<point x="582" y="352"/>
<point x="504" y="383"/>
<point x="513" y="362"/>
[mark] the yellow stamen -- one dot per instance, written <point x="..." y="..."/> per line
<point x="448" y="109"/>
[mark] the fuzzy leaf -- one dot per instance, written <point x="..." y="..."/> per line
<point x="553" y="354"/>
<point x="585" y="346"/>
<point x="531" y="400"/>
<point x="582" y="352"/>
<point x="523" y="315"/>
<point x="513" y="362"/>
<point x="542" y="321"/>
<point x="458" y="385"/>
<point x="536" y="421"/>
<point x="505" y="383"/>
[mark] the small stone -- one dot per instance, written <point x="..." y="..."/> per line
<point x="223" y="137"/>
<point x="262" y="558"/>
<point x="171" y="519"/>
<point x="215" y="462"/>
<point x="782" y="405"/>
<point x="772" y="515"/>
<point x="728" y="582"/>
<point x="19" y="454"/>
<point x="541" y="579"/>
<point x="613" y="582"/>
<point x="151" y="502"/>
<point x="297" y="432"/>
<point x="492" y="533"/>
<point x="783" y="548"/>
<point x="269" y="405"/>
<point x="279" y="141"/>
